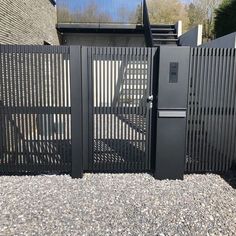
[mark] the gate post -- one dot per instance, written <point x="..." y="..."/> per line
<point x="76" y="111"/>
<point x="173" y="77"/>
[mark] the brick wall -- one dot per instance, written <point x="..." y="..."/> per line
<point x="28" y="22"/>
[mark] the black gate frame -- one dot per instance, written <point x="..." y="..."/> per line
<point x="169" y="74"/>
<point x="81" y="107"/>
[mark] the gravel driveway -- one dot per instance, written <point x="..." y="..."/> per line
<point x="118" y="204"/>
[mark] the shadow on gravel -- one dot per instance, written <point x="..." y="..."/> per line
<point x="230" y="178"/>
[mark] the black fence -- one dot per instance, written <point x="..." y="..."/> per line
<point x="74" y="109"/>
<point x="211" y="110"/>
<point x="35" y="126"/>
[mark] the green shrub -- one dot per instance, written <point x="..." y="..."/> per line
<point x="225" y="19"/>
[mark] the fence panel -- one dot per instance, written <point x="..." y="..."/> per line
<point x="35" y="109"/>
<point x="211" y="110"/>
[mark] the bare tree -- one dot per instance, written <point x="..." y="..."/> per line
<point x="133" y="16"/>
<point x="203" y="12"/>
<point x="64" y="15"/>
<point x="91" y="14"/>
<point x="137" y="17"/>
<point x="123" y="14"/>
<point x="167" y="12"/>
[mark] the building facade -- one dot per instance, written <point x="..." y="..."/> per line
<point x="104" y="39"/>
<point x="28" y="22"/>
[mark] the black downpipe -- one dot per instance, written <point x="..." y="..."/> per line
<point x="155" y="73"/>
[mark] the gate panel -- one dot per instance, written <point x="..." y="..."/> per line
<point x="34" y="109"/>
<point x="119" y="115"/>
<point x="211" y="110"/>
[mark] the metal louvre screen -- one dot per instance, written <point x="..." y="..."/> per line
<point x="34" y="109"/>
<point x="119" y="115"/>
<point x="211" y="110"/>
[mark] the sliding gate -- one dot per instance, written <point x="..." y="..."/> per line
<point x="117" y="85"/>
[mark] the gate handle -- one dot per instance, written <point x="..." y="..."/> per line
<point x="150" y="98"/>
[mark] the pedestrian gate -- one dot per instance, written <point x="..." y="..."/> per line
<point x="117" y="114"/>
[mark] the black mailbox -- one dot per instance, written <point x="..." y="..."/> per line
<point x="171" y="112"/>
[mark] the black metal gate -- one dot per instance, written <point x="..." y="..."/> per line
<point x="117" y="123"/>
<point x="74" y="109"/>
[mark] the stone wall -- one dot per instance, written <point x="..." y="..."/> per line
<point x="28" y="22"/>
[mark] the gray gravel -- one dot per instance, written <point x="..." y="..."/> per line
<point x="122" y="204"/>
